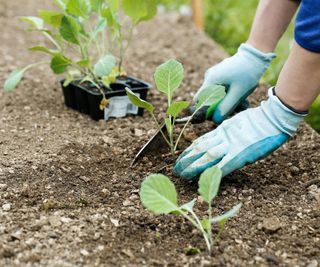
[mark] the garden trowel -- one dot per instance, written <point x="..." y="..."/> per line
<point x="157" y="140"/>
<point x="202" y="115"/>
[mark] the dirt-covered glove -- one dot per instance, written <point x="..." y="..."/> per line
<point x="240" y="74"/>
<point x="241" y="140"/>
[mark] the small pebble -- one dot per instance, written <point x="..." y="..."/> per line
<point x="6" y="207"/>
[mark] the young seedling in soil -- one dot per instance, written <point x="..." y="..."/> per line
<point x="168" y="78"/>
<point x="83" y="34"/>
<point x="158" y="195"/>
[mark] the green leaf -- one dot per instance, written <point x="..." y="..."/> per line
<point x="105" y="65"/>
<point x="71" y="76"/>
<point x="96" y="5"/>
<point x="80" y="8"/>
<point x="50" y="17"/>
<point x="14" y="79"/>
<point x="69" y="29"/>
<point x="34" y="21"/>
<point x="59" y="64"/>
<point x="139" y="10"/>
<point x="176" y="107"/>
<point x="44" y="49"/>
<point x="168" y="77"/>
<point x="83" y="63"/>
<point x="137" y="101"/>
<point x="151" y="7"/>
<point x="210" y="96"/>
<point x="189" y="206"/>
<point x="209" y="183"/>
<point x="168" y="126"/>
<point x="158" y="194"/>
<point x="62" y="4"/>
<point x="229" y="214"/>
<point x="110" y="17"/>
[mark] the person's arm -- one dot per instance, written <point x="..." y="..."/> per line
<point x="271" y="21"/>
<point x="299" y="81"/>
<point x="242" y="72"/>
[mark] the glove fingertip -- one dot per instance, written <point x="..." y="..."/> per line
<point x="217" y="117"/>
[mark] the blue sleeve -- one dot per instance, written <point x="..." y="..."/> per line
<point x="307" y="27"/>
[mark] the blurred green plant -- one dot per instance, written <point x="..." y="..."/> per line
<point x="228" y="23"/>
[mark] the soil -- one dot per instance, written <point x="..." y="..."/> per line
<point x="69" y="198"/>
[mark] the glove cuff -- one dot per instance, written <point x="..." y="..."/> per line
<point x="264" y="57"/>
<point x="282" y="117"/>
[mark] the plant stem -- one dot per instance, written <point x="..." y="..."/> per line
<point x="123" y="50"/>
<point x="159" y="128"/>
<point x="53" y="41"/>
<point x="221" y="227"/>
<point x="204" y="233"/>
<point x="183" y="129"/>
<point x="209" y="230"/>
<point x="36" y="64"/>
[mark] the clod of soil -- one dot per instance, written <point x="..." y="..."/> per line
<point x="74" y="199"/>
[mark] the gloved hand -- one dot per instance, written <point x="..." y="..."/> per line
<point x="243" y="139"/>
<point x="240" y="74"/>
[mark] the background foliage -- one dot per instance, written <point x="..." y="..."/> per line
<point x="228" y="22"/>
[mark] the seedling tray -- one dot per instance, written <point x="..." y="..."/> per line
<point x="86" y="98"/>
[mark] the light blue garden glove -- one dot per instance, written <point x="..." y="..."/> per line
<point x="240" y="74"/>
<point x="241" y="140"/>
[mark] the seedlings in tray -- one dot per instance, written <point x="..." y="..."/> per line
<point x="168" y="78"/>
<point x="84" y="36"/>
<point x="158" y="195"/>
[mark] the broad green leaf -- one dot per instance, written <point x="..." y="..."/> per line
<point x="44" y="49"/>
<point x="168" y="126"/>
<point x="101" y="25"/>
<point x="168" y="77"/>
<point x="105" y="65"/>
<point x="139" y="10"/>
<point x="176" y="107"/>
<point x="209" y="183"/>
<point x="151" y="7"/>
<point x="158" y="194"/>
<point x="189" y="206"/>
<point x="14" y="79"/>
<point x="210" y="96"/>
<point x="229" y="214"/>
<point x="80" y="8"/>
<point x="59" y="64"/>
<point x="137" y="101"/>
<point x="34" y="21"/>
<point x="96" y="5"/>
<point x="69" y="29"/>
<point x="50" y="17"/>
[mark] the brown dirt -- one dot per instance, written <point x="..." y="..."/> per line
<point x="67" y="178"/>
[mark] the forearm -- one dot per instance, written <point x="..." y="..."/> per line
<point x="299" y="81"/>
<point x="271" y="21"/>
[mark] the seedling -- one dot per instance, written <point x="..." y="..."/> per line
<point x="168" y="78"/>
<point x="158" y="195"/>
<point x="83" y="34"/>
